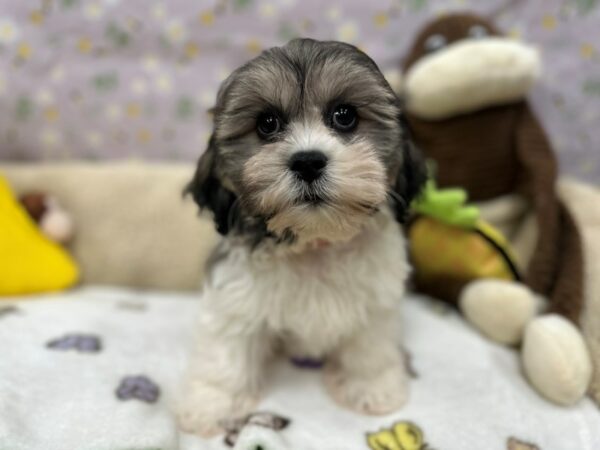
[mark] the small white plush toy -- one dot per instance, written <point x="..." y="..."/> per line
<point x="53" y="220"/>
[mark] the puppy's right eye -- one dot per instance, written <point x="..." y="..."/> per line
<point x="267" y="125"/>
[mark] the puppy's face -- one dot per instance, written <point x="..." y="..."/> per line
<point x="308" y="144"/>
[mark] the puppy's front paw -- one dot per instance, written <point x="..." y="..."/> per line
<point x="378" y="394"/>
<point x="204" y="407"/>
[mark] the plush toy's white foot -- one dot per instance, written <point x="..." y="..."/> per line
<point x="556" y="359"/>
<point x="499" y="309"/>
<point x="380" y="394"/>
<point x="203" y="407"/>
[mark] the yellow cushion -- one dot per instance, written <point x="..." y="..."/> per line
<point x="29" y="262"/>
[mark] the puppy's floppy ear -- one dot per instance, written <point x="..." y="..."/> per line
<point x="208" y="192"/>
<point x="411" y="176"/>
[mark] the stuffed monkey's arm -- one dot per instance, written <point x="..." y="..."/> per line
<point x="537" y="177"/>
<point x="568" y="294"/>
<point x="555" y="269"/>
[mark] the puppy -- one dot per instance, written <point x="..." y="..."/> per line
<point x="308" y="173"/>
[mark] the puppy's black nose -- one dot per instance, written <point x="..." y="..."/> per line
<point x="308" y="165"/>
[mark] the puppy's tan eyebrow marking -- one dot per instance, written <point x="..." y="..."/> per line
<point x="235" y="136"/>
<point x="247" y="122"/>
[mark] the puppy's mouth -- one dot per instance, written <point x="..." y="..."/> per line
<point x="314" y="194"/>
<point x="312" y="198"/>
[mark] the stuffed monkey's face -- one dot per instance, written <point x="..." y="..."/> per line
<point x="460" y="64"/>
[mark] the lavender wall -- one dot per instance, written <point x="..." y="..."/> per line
<point x="106" y="79"/>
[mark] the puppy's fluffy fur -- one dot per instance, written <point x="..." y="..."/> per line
<point x="312" y="268"/>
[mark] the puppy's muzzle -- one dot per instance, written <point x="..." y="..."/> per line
<point x="308" y="165"/>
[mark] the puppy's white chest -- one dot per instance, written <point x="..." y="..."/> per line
<point x="311" y="300"/>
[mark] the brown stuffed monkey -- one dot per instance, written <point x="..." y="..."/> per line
<point x="465" y="88"/>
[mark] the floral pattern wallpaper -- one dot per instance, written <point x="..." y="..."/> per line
<point x="106" y="79"/>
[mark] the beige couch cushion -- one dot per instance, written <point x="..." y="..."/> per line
<point x="133" y="227"/>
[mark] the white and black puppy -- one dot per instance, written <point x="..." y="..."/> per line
<point x="307" y="174"/>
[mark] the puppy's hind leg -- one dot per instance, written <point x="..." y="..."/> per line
<point x="223" y="381"/>
<point x="367" y="373"/>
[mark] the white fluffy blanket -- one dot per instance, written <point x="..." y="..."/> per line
<point x="98" y="369"/>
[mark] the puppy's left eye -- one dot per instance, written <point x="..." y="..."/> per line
<point x="344" y="118"/>
<point x="267" y="125"/>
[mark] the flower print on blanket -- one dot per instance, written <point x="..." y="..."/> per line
<point x="8" y="310"/>
<point x="233" y="428"/>
<point x="400" y="436"/>
<point x="516" y="444"/>
<point x="85" y="343"/>
<point x="138" y="387"/>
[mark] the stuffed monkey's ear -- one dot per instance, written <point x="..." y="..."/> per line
<point x="208" y="192"/>
<point x="411" y="177"/>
